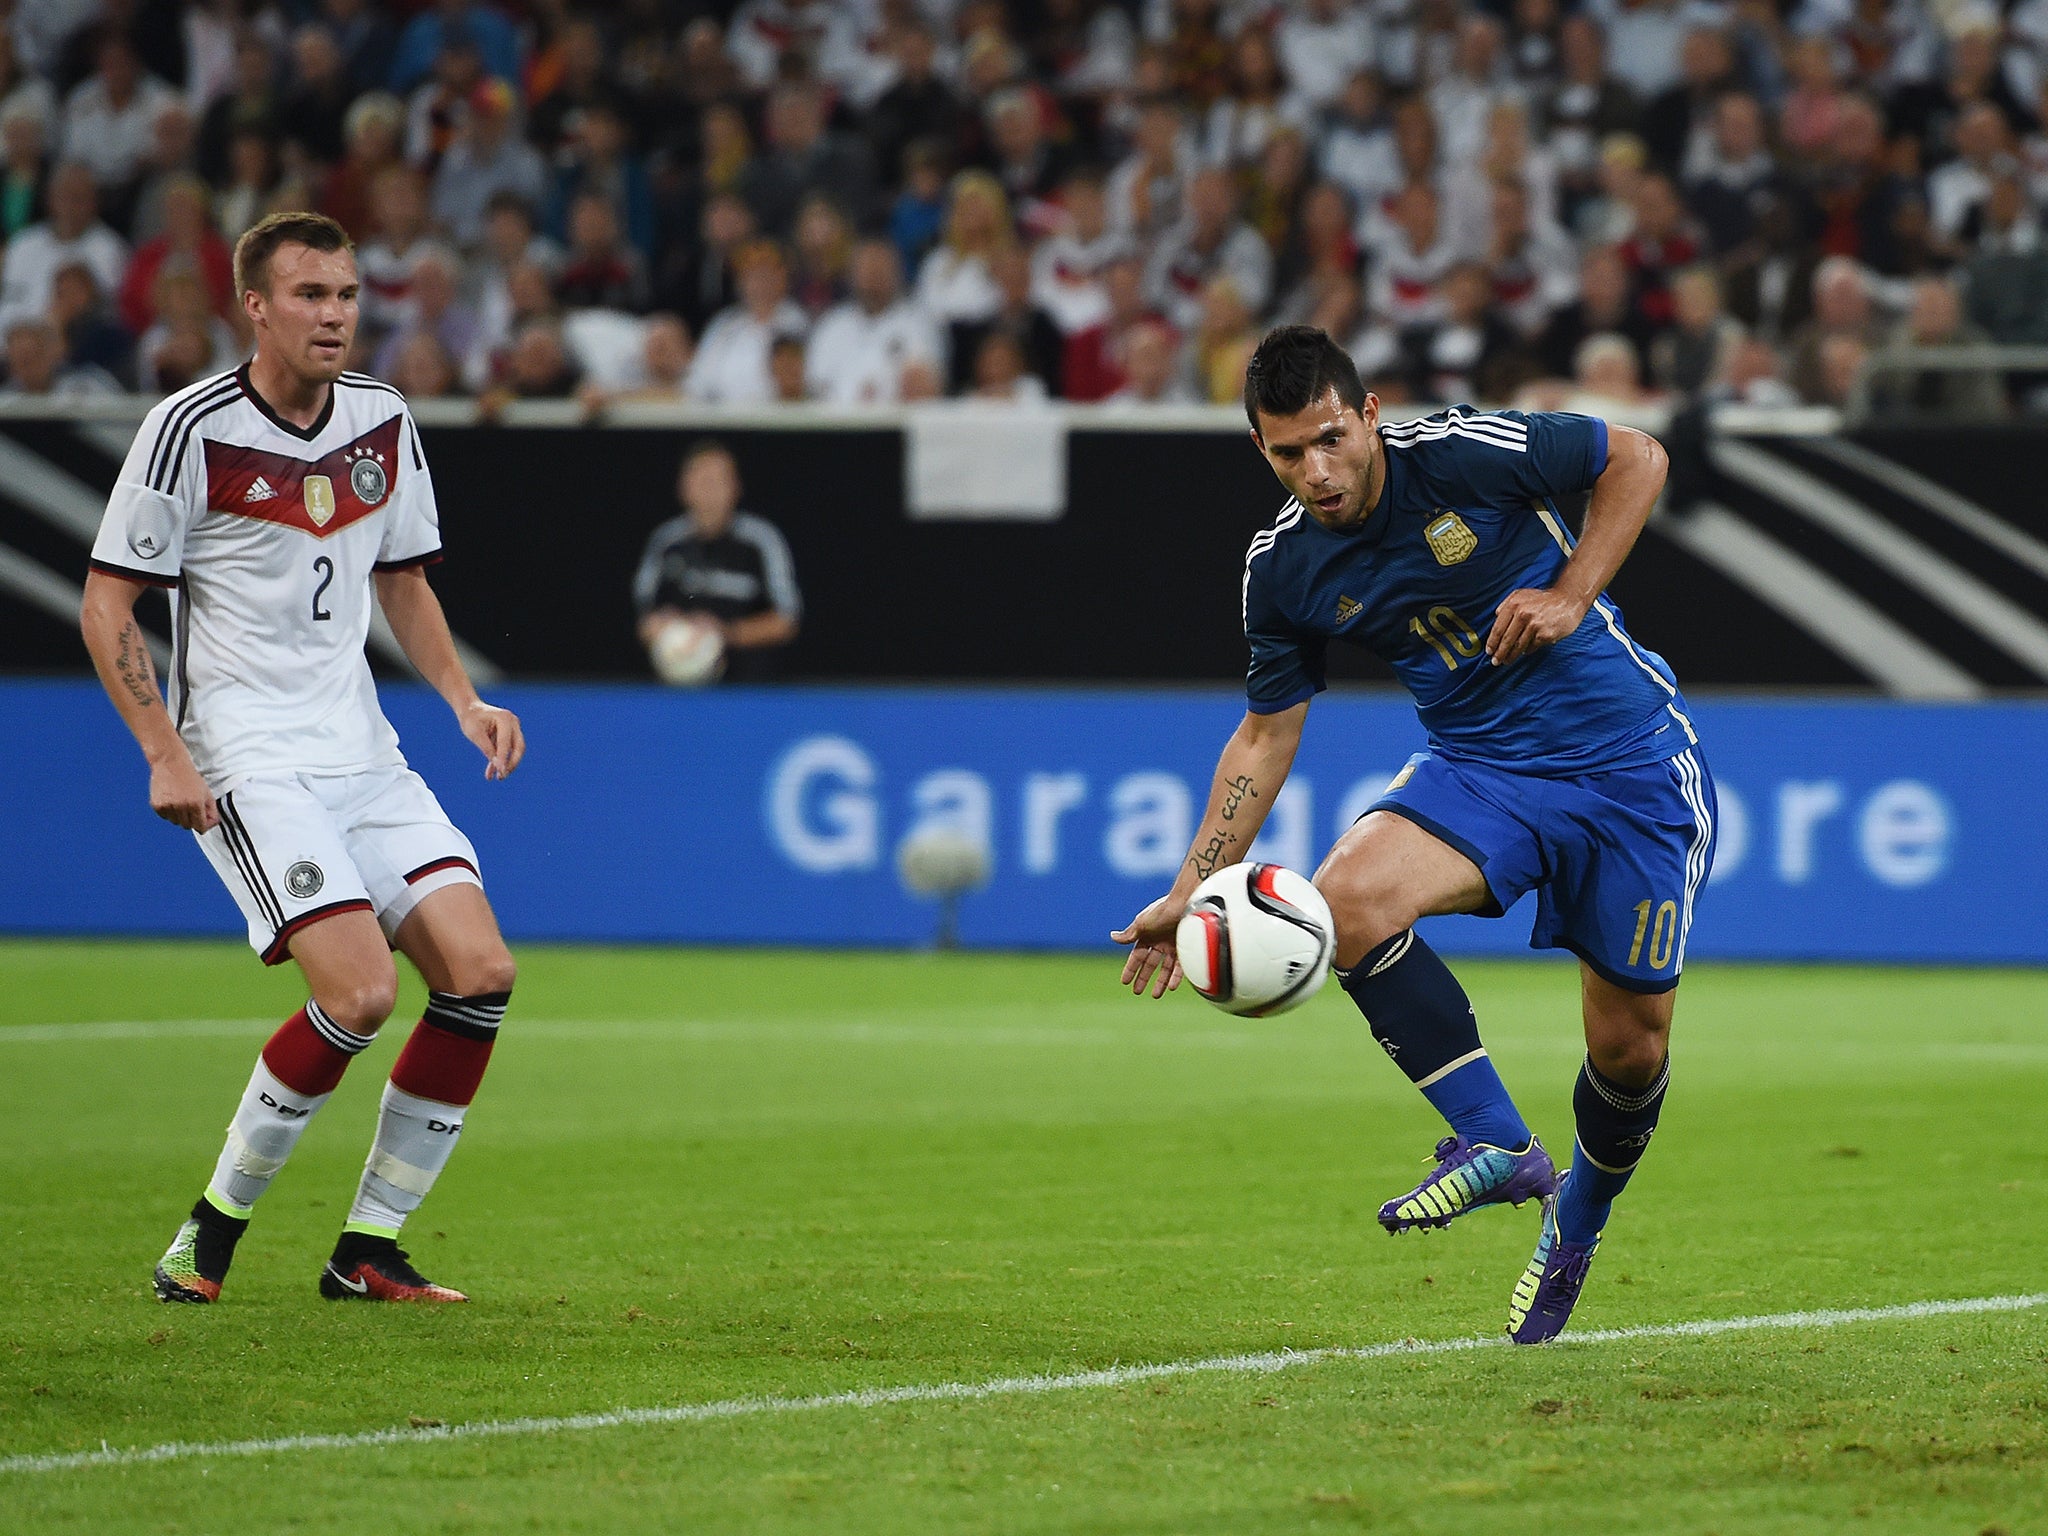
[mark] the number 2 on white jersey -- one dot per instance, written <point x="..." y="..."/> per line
<point x="325" y="567"/>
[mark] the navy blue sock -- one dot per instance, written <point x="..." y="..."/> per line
<point x="1615" y="1125"/>
<point x="1423" y="1019"/>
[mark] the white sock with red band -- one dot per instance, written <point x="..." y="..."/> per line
<point x="420" y="1119"/>
<point x="415" y="1139"/>
<point x="311" y="1050"/>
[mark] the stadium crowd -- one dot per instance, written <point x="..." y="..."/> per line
<point x="1561" y="202"/>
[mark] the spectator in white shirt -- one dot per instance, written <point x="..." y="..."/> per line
<point x="1241" y="122"/>
<point x="731" y="366"/>
<point x="1322" y="44"/>
<point x="664" y="359"/>
<point x="22" y="91"/>
<point x="510" y="241"/>
<point x="859" y="350"/>
<point x="1955" y="188"/>
<point x="1355" y="142"/>
<point x="833" y="35"/>
<point x="1533" y="264"/>
<point x="1145" y="191"/>
<point x="1464" y="97"/>
<point x="1644" y="37"/>
<point x="72" y="232"/>
<point x="1067" y="268"/>
<point x="433" y="304"/>
<point x="956" y="283"/>
<point x="110" y="118"/>
<point x="398" y="209"/>
<point x="1210" y="241"/>
<point x="1410" y="261"/>
<point x="665" y="352"/>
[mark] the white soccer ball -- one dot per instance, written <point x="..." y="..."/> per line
<point x="1256" y="939"/>
<point x="688" y="651"/>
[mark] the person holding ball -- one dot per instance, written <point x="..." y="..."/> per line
<point x="716" y="591"/>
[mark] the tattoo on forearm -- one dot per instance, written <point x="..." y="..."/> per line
<point x="1235" y="793"/>
<point x="134" y="668"/>
<point x="1208" y="858"/>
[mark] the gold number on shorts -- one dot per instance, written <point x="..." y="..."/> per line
<point x="1663" y="937"/>
<point x="1447" y="634"/>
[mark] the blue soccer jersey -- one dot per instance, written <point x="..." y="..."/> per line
<point x="1468" y="513"/>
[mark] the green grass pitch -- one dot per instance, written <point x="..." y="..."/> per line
<point x="703" y="1176"/>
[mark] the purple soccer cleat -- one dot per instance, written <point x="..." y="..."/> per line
<point x="1549" y="1288"/>
<point x="1468" y="1175"/>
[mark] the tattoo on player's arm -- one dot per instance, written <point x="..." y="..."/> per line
<point x="1239" y="788"/>
<point x="1208" y="858"/>
<point x="132" y="665"/>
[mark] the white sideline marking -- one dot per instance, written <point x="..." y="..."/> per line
<point x="975" y="1391"/>
<point x="959" y="1029"/>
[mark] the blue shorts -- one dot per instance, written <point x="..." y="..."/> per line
<point x="1615" y="859"/>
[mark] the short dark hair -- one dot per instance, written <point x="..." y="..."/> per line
<point x="700" y="447"/>
<point x="253" y="251"/>
<point x="1293" y="366"/>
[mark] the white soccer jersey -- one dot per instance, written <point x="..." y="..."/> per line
<point x="267" y="535"/>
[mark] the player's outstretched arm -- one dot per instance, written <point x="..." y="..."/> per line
<point x="1254" y="765"/>
<point x="415" y="615"/>
<point x="121" y="656"/>
<point x="1532" y="618"/>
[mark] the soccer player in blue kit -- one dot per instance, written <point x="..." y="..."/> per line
<point x="1561" y="759"/>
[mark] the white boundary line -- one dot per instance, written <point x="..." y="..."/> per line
<point x="976" y="1391"/>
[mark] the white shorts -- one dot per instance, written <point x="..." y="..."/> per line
<point x="294" y="848"/>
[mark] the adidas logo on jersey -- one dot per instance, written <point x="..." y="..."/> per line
<point x="1348" y="608"/>
<point x="262" y="490"/>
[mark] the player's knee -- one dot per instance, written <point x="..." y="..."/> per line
<point x="1631" y="1056"/>
<point x="1367" y="909"/>
<point x="361" y="1006"/>
<point x="486" y="970"/>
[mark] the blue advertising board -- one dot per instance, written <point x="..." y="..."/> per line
<point x="1850" y="830"/>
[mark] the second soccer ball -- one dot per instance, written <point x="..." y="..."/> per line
<point x="1256" y="940"/>
<point x="688" y="651"/>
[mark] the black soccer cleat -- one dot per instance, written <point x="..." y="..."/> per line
<point x="370" y="1268"/>
<point x="197" y="1261"/>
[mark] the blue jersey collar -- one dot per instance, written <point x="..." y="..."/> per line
<point x="1374" y="533"/>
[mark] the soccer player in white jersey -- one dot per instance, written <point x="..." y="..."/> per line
<point x="275" y="502"/>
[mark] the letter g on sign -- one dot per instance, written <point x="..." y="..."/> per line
<point x="821" y="806"/>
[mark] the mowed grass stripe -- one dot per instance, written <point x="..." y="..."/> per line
<point x="975" y="1391"/>
<point x="951" y="1026"/>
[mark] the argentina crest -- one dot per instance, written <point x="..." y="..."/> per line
<point x="1449" y="539"/>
